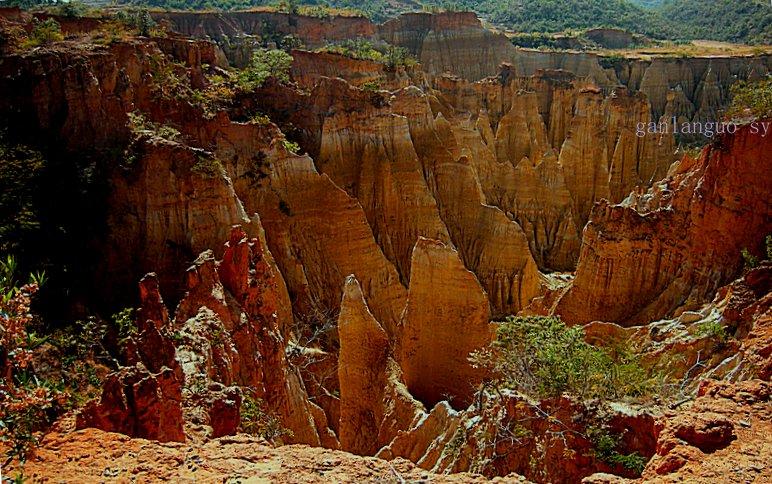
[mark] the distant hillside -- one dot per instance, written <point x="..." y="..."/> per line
<point x="649" y="3"/>
<point x="748" y="21"/>
<point x="560" y="15"/>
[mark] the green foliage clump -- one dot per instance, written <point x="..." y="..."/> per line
<point x="44" y="33"/>
<point x="543" y="357"/>
<point x="768" y="243"/>
<point x="28" y="403"/>
<point x="754" y="99"/>
<point x="265" y="63"/>
<point x="290" y="146"/>
<point x="141" y="126"/>
<point x="287" y="6"/>
<point x="207" y="167"/>
<point x="611" y="61"/>
<point x="606" y="448"/>
<point x="139" y="20"/>
<point x="358" y="48"/>
<point x="257" y="420"/>
<point x="20" y="171"/>
<point x="124" y="323"/>
<point x="749" y="260"/>
<point x="533" y="40"/>
<point x="714" y="331"/>
<point x="372" y="86"/>
<point x="398" y="56"/>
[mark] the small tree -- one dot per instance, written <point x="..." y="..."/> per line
<point x="266" y="63"/>
<point x="544" y="358"/>
<point x="44" y="33"/>
<point x="754" y="99"/>
<point x="25" y="401"/>
<point x="397" y="56"/>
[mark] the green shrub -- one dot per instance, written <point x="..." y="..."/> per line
<point x="372" y="86"/>
<point x="290" y="146"/>
<point x="768" y="243"/>
<point x="125" y="323"/>
<point x="605" y="448"/>
<point x="398" y="56"/>
<point x="611" y="61"/>
<point x="543" y="357"/>
<point x="44" y="33"/>
<point x="749" y="260"/>
<point x="140" y="125"/>
<point x="358" y="48"/>
<point x="257" y="420"/>
<point x="265" y="63"/>
<point x="713" y="330"/>
<point x="207" y="167"/>
<point x="27" y="402"/>
<point x="21" y="170"/>
<point x="139" y="20"/>
<point x="753" y="99"/>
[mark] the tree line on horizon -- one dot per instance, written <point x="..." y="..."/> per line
<point x="741" y="21"/>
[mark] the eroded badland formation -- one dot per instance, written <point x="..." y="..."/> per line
<point x="338" y="286"/>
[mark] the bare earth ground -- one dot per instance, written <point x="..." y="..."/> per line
<point x="92" y="455"/>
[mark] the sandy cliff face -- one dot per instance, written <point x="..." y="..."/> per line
<point x="679" y="240"/>
<point x="374" y="402"/>
<point x="439" y="329"/>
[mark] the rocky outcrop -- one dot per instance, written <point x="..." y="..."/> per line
<point x="504" y="434"/>
<point x="144" y="398"/>
<point x="238" y="32"/>
<point x="374" y="402"/>
<point x="170" y="204"/>
<point x="449" y="42"/>
<point x="309" y="67"/>
<point x="439" y="329"/>
<point x="680" y="240"/>
<point x="230" y="335"/>
<point x="726" y="429"/>
<point x="94" y="456"/>
<point x="371" y="155"/>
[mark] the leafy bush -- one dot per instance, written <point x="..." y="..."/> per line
<point x="257" y="420"/>
<point x="207" y="167"/>
<point x="44" y="33"/>
<point x="265" y="63"/>
<point x="398" y="56"/>
<point x="609" y="62"/>
<point x="749" y="260"/>
<point x="139" y="20"/>
<point x="27" y="403"/>
<point x="358" y="48"/>
<point x="140" y="125"/>
<point x="533" y="40"/>
<point x="372" y="86"/>
<point x="768" y="243"/>
<point x="544" y="358"/>
<point x="21" y="169"/>
<point x="753" y="99"/>
<point x="714" y="331"/>
<point x="605" y="447"/>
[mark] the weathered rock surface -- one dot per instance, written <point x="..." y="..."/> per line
<point x="681" y="239"/>
<point x="725" y="432"/>
<point x="374" y="402"/>
<point x="439" y="328"/>
<point x="144" y="398"/>
<point x="93" y="456"/>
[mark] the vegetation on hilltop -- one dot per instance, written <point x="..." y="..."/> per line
<point x="748" y="21"/>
